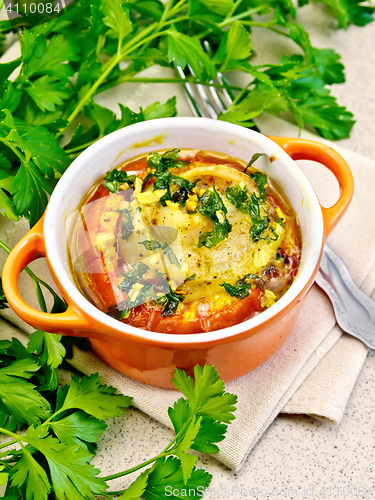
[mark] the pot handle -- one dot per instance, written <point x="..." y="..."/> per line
<point x="304" y="149"/>
<point x="29" y="248"/>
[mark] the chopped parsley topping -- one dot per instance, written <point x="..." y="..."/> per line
<point x="133" y="276"/>
<point x="159" y="166"/>
<point x="241" y="288"/>
<point x="261" y="181"/>
<point x="249" y="204"/>
<point x="127" y="224"/>
<point x="158" y="163"/>
<point x="170" y="302"/>
<point x="153" y="245"/>
<point x="113" y="179"/>
<point x="212" y="206"/>
<point x="165" y="179"/>
<point x="140" y="291"/>
<point x="190" y="278"/>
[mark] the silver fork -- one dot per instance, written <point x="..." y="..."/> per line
<point x="354" y="310"/>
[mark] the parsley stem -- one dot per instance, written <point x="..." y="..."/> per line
<point x="182" y="18"/>
<point x="131" y="79"/>
<point x="178" y="7"/>
<point x="36" y="281"/>
<point x="17" y="438"/>
<point x="236" y="5"/>
<point x="8" y="443"/>
<point x="99" y="44"/>
<point x="242" y="15"/>
<point x="133" y="469"/>
<point x="111" y="63"/>
<point x="164" y="16"/>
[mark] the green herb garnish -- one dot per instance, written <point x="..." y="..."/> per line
<point x="253" y="160"/>
<point x="170" y="302"/>
<point x="261" y="181"/>
<point x="190" y="278"/>
<point x="153" y="245"/>
<point x="114" y="178"/>
<point x="249" y="204"/>
<point x="135" y="275"/>
<point x="241" y="288"/>
<point x="166" y="179"/>
<point x="127" y="227"/>
<point x="210" y="205"/>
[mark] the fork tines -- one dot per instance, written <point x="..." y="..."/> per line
<point x="205" y="100"/>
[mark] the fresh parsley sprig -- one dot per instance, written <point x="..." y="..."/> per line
<point x="65" y="62"/>
<point x="54" y="455"/>
<point x="206" y="406"/>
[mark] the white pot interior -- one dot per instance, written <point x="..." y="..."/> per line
<point x="183" y="133"/>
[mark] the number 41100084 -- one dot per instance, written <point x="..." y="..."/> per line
<point x="32" y="8"/>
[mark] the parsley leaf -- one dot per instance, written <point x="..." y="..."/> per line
<point x="45" y="151"/>
<point x="47" y="92"/>
<point x="170" y="302"/>
<point x="206" y="394"/>
<point x="114" y="178"/>
<point x="241" y="288"/>
<point x="185" y="50"/>
<point x="29" y="191"/>
<point x="77" y="428"/>
<point x="42" y="57"/>
<point x="234" y="46"/>
<point x="137" y="487"/>
<point x="167" y="477"/>
<point x="221" y="7"/>
<point x="72" y="475"/>
<point x="27" y="470"/>
<point x="349" y="11"/>
<point x="20" y="402"/>
<point x="89" y="395"/>
<point x="3" y="300"/>
<point x="116" y="19"/>
<point x="209" y="433"/>
<point x="48" y="347"/>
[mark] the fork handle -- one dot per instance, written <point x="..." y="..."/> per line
<point x="304" y="149"/>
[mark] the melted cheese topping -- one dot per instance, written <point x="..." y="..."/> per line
<point x="231" y="259"/>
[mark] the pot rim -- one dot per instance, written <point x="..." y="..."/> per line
<point x="53" y="216"/>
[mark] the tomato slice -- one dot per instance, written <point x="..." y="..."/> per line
<point x="191" y="317"/>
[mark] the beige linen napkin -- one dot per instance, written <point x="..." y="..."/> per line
<point x="312" y="373"/>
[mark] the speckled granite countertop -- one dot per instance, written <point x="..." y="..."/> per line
<point x="297" y="457"/>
